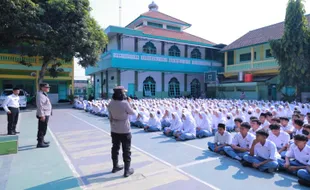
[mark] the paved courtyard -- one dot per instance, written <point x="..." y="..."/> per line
<point x="79" y="158"/>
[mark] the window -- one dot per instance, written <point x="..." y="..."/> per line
<point x="196" y="54"/>
<point x="174" y="88"/>
<point x="149" y="87"/>
<point x="156" y="25"/>
<point x="149" y="48"/>
<point x="246" y="57"/>
<point x="195" y="88"/>
<point x="268" y="53"/>
<point x="230" y="58"/>
<point x="174" y="51"/>
<point x="173" y="28"/>
<point x="139" y="24"/>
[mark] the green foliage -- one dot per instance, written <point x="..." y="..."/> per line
<point x="292" y="51"/>
<point x="52" y="29"/>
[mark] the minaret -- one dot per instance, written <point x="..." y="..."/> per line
<point x="153" y="7"/>
<point x="120" y="13"/>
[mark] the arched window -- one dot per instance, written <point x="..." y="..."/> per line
<point x="174" y="88"/>
<point x="196" y="54"/>
<point x="195" y="88"/>
<point x="149" y="48"/>
<point x="149" y="87"/>
<point x="174" y="51"/>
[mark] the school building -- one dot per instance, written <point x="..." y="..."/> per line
<point x="15" y="74"/>
<point x="250" y="67"/>
<point x="153" y="56"/>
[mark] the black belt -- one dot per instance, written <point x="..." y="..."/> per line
<point x="13" y="108"/>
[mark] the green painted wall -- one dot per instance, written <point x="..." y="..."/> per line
<point x="259" y="55"/>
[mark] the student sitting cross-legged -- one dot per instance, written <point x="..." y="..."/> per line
<point x="188" y="130"/>
<point x="153" y="124"/>
<point x="297" y="157"/>
<point x="263" y="153"/>
<point x="176" y="124"/>
<point x="304" y="176"/>
<point x="280" y="138"/>
<point x="222" y="138"/>
<point x="241" y="143"/>
<point x="204" y="128"/>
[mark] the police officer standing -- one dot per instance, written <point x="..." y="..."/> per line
<point x="119" y="110"/>
<point x="11" y="107"/>
<point x="44" y="111"/>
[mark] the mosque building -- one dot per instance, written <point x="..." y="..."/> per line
<point x="153" y="56"/>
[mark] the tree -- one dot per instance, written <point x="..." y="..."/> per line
<point x="53" y="30"/>
<point x="292" y="50"/>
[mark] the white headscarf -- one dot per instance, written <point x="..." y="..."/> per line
<point x="176" y="123"/>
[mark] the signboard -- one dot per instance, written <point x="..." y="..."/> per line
<point x="210" y="77"/>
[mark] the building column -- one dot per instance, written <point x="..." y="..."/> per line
<point x="118" y="39"/>
<point x="162" y="83"/>
<point x="107" y="83"/>
<point x="118" y="77"/>
<point x="226" y="60"/>
<point x="186" y="51"/>
<point x="252" y="56"/>
<point x="94" y="77"/>
<point x="185" y="82"/>
<point x="136" y="81"/>
<point x="162" y="48"/>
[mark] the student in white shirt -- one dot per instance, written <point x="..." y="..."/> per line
<point x="263" y="120"/>
<point x="241" y="143"/>
<point x="255" y="126"/>
<point x="306" y="132"/>
<point x="238" y="122"/>
<point x="11" y="107"/>
<point x="263" y="153"/>
<point x="280" y="138"/>
<point x="299" y="152"/>
<point x="222" y="138"/>
<point x="285" y="126"/>
<point x="298" y="123"/>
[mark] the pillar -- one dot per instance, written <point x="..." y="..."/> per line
<point x="107" y="83"/>
<point x="185" y="82"/>
<point x="162" y="82"/>
<point x="226" y="60"/>
<point x="136" y="44"/>
<point x="252" y="56"/>
<point x="72" y="78"/>
<point x="136" y="81"/>
<point x="101" y="86"/>
<point x="162" y="48"/>
<point x="118" y="77"/>
<point x="94" y="93"/>
<point x="186" y="51"/>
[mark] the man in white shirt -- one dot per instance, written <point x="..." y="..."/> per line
<point x="241" y="143"/>
<point x="263" y="153"/>
<point x="298" y="123"/>
<point x="263" y="120"/>
<point x="285" y="126"/>
<point x="222" y="138"/>
<point x="255" y="126"/>
<point x="280" y="138"/>
<point x="11" y="107"/>
<point x="298" y="155"/>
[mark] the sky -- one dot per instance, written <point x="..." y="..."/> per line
<point x="219" y="21"/>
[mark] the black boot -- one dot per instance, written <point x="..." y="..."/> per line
<point x="116" y="167"/>
<point x="46" y="142"/>
<point x="42" y="145"/>
<point x="128" y="171"/>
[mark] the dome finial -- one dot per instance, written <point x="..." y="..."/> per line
<point x="153" y="6"/>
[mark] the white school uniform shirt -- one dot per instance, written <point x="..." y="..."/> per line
<point x="226" y="138"/>
<point x="254" y="132"/>
<point x="243" y="142"/>
<point x="302" y="156"/>
<point x="11" y="101"/>
<point x="298" y="132"/>
<point x="280" y="140"/>
<point x="288" y="128"/>
<point x="266" y="124"/>
<point x="267" y="151"/>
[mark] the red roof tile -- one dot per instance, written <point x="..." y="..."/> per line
<point x="180" y="35"/>
<point x="259" y="36"/>
<point x="162" y="16"/>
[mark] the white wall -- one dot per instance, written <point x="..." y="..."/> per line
<point x="157" y="44"/>
<point x="112" y="83"/>
<point x="156" y="76"/>
<point x="128" y="44"/>
<point x="127" y="77"/>
<point x="202" y="51"/>
<point x="112" y="43"/>
<point x="179" y="76"/>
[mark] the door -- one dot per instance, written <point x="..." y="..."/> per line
<point x="131" y="89"/>
<point x="62" y="91"/>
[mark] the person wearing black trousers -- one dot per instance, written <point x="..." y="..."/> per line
<point x="119" y="110"/>
<point x="11" y="107"/>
